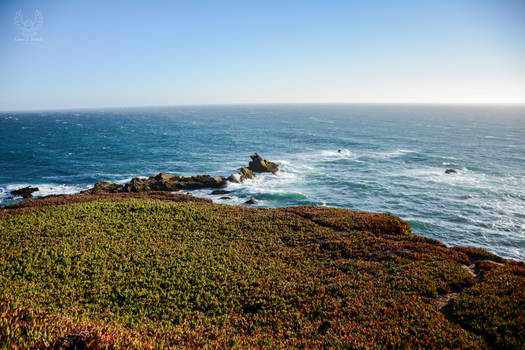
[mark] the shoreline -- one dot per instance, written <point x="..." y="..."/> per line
<point x="196" y="185"/>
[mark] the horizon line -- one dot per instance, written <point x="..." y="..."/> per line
<point x="52" y="109"/>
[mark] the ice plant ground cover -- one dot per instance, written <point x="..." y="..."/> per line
<point x="166" y="270"/>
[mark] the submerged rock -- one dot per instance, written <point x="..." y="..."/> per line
<point x="226" y="197"/>
<point x="220" y="192"/>
<point x="260" y="165"/>
<point x="251" y="201"/>
<point x="451" y="171"/>
<point x="25" y="192"/>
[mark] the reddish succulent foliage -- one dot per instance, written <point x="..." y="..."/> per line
<point x="495" y="307"/>
<point x="172" y="271"/>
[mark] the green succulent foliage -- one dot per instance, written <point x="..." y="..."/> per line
<point x="138" y="273"/>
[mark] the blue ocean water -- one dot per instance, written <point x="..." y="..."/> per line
<point x="392" y="159"/>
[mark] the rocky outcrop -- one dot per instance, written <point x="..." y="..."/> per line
<point x="257" y="164"/>
<point x="246" y="173"/>
<point x="251" y="201"/>
<point x="106" y="187"/>
<point x="260" y="165"/>
<point x="160" y="182"/>
<point x="168" y="182"/>
<point x="172" y="183"/>
<point x="451" y="171"/>
<point x="138" y="185"/>
<point x="25" y="192"/>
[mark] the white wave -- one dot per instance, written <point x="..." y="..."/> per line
<point x="284" y="181"/>
<point x="229" y="198"/>
<point x="340" y="153"/>
<point x="463" y="175"/>
<point x="124" y="181"/>
<point x="344" y="153"/>
<point x="43" y="189"/>
<point x="267" y="182"/>
<point x="296" y="166"/>
<point x="390" y="154"/>
<point x="464" y="179"/>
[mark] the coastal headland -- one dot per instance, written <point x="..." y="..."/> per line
<point x="149" y="268"/>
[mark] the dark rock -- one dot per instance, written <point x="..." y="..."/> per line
<point x="226" y="197"/>
<point x="219" y="181"/>
<point x="220" y="192"/>
<point x="105" y="187"/>
<point x="251" y="201"/>
<point x="172" y="183"/>
<point x="168" y="182"/>
<point x="260" y="165"/>
<point x="451" y="171"/>
<point x="138" y="185"/>
<point x="246" y="173"/>
<point x="194" y="182"/>
<point x="339" y="151"/>
<point x="163" y="177"/>
<point x="160" y="182"/>
<point x="25" y="192"/>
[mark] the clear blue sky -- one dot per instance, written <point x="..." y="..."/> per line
<point x="132" y="53"/>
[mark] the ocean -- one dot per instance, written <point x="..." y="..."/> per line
<point x="383" y="158"/>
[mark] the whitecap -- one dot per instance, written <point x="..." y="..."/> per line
<point x="43" y="190"/>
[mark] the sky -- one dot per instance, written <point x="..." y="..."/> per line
<point x="90" y="54"/>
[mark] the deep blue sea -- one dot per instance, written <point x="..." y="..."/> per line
<point x="392" y="159"/>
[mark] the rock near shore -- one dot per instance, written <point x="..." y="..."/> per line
<point x="161" y="182"/>
<point x="260" y="165"/>
<point x="25" y="192"/>
<point x="106" y="187"/>
<point x="168" y="182"/>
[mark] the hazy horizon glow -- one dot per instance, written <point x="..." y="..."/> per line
<point x="131" y="53"/>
